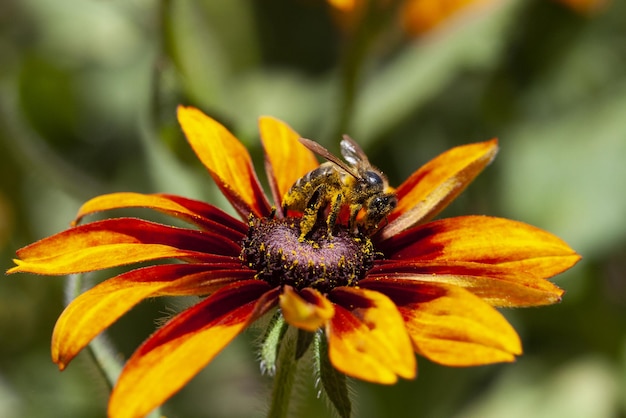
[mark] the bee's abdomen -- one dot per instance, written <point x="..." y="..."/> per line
<point x="302" y="191"/>
<point x="323" y="171"/>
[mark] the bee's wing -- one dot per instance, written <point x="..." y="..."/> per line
<point x="353" y="153"/>
<point x="323" y="152"/>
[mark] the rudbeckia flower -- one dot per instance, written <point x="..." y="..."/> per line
<point x="412" y="285"/>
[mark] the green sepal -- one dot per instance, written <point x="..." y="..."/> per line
<point x="286" y="371"/>
<point x="331" y="382"/>
<point x="271" y="343"/>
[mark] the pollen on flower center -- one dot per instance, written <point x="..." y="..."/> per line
<point x="273" y="248"/>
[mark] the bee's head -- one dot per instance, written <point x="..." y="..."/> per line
<point x="380" y="205"/>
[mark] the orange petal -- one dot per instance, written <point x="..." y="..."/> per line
<point x="490" y="256"/>
<point x="482" y="239"/>
<point x="226" y="159"/>
<point x="199" y="213"/>
<point x="286" y="159"/>
<point x="96" y="309"/>
<point x="117" y="242"/>
<point x="431" y="188"/>
<point x="177" y="352"/>
<point x="451" y="326"/>
<point x="498" y="285"/>
<point x="367" y="338"/>
<point x="308" y="310"/>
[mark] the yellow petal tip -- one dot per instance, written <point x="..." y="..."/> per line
<point x="17" y="268"/>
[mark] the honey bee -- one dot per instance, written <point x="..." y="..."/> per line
<point x="336" y="184"/>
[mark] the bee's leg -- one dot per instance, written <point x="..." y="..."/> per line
<point x="335" y="208"/>
<point x="289" y="201"/>
<point x="309" y="218"/>
<point x="354" y="211"/>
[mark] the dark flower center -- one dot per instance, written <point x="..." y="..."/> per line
<point x="272" y="248"/>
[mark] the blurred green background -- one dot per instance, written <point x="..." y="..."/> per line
<point x="88" y="92"/>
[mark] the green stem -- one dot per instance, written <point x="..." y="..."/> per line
<point x="285" y="376"/>
<point x="372" y="21"/>
<point x="353" y="58"/>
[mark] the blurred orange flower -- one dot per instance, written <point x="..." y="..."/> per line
<point x="421" y="16"/>
<point x="413" y="285"/>
<point x="416" y="16"/>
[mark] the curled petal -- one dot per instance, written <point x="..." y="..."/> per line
<point x="367" y="338"/>
<point x="308" y="310"/>
<point x="117" y="242"/>
<point x="449" y="325"/>
<point x="181" y="348"/>
<point x="199" y="213"/>
<point x="226" y="159"/>
<point x="286" y="159"/>
<point x="96" y="309"/>
<point x="431" y="188"/>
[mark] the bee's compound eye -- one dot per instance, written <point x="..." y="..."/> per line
<point x="372" y="179"/>
<point x="384" y="203"/>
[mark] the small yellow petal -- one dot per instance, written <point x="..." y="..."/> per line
<point x="308" y="314"/>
